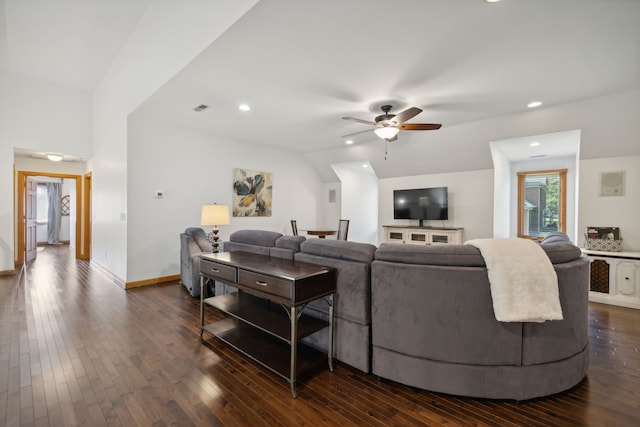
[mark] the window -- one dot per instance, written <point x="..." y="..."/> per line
<point x="541" y="203"/>
<point x="42" y="204"/>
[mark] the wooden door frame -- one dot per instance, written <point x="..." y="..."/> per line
<point x="20" y="208"/>
<point x="86" y="217"/>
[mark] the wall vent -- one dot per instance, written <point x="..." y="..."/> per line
<point x="200" y="107"/>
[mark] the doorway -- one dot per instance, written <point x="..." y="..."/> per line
<point x="25" y="243"/>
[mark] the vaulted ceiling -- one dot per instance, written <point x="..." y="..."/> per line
<point x="303" y="65"/>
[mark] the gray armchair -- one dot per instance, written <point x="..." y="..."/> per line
<point x="193" y="242"/>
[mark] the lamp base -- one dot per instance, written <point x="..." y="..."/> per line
<point x="214" y="240"/>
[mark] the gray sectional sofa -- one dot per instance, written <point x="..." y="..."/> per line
<point x="352" y="306"/>
<point x="193" y="243"/>
<point x="434" y="327"/>
<point x="422" y="316"/>
<point x="352" y="313"/>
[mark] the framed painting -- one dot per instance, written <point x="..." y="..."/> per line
<point x="252" y="192"/>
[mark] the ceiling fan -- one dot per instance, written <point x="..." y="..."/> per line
<point x="387" y="126"/>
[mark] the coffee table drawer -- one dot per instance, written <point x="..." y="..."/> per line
<point x="218" y="271"/>
<point x="264" y="283"/>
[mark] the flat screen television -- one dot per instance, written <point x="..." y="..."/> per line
<point x="421" y="204"/>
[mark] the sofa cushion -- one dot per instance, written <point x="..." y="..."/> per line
<point x="555" y="237"/>
<point x="243" y="247"/>
<point x="339" y="249"/>
<point x="561" y="252"/>
<point x="255" y="237"/>
<point x="290" y="242"/>
<point x="453" y="255"/>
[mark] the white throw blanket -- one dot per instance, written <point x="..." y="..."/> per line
<point x="524" y="285"/>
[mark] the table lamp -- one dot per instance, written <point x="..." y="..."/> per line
<point x="215" y="215"/>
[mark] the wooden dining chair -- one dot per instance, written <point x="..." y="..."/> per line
<point x="343" y="229"/>
<point x="294" y="227"/>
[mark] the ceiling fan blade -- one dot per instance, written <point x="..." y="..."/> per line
<point x="353" y="119"/>
<point x="407" y="114"/>
<point x="357" y="133"/>
<point x="419" y="126"/>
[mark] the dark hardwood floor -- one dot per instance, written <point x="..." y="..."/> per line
<point x="75" y="349"/>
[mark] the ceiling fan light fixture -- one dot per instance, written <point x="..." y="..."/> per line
<point x="386" y="132"/>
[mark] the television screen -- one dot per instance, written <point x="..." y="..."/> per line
<point x="421" y="204"/>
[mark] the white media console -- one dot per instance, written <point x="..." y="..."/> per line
<point x="422" y="235"/>
<point x="614" y="278"/>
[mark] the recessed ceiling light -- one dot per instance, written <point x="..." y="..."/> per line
<point x="244" y="107"/>
<point x="534" y="104"/>
<point x="534" y="144"/>
<point x="349" y="141"/>
<point x="492" y="1"/>
<point x="54" y="157"/>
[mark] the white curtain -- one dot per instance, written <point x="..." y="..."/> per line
<point x="54" y="216"/>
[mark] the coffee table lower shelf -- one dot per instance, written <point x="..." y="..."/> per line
<point x="261" y="347"/>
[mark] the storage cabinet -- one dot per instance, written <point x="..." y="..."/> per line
<point x="422" y="235"/>
<point x="614" y="278"/>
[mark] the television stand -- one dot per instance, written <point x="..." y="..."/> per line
<point x="420" y="235"/>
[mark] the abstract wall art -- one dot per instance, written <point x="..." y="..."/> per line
<point x="252" y="193"/>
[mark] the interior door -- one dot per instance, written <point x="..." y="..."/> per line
<point x="31" y="214"/>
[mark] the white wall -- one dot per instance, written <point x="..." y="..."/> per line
<point x="611" y="211"/>
<point x="193" y="169"/>
<point x="471" y="198"/>
<point x="470" y="201"/>
<point x="183" y="29"/>
<point x="502" y="215"/>
<point x="359" y="201"/>
<point x="331" y="209"/>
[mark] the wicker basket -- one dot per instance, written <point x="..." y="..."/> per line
<point x="605" y="245"/>
<point x="599" y="278"/>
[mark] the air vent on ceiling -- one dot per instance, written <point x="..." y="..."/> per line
<point x="200" y="107"/>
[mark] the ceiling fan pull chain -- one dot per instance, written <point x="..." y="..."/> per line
<point x="386" y="145"/>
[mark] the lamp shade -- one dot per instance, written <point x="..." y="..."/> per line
<point x="214" y="215"/>
<point x="387" y="132"/>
